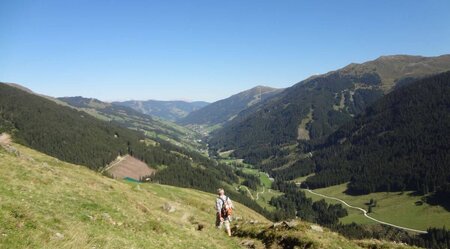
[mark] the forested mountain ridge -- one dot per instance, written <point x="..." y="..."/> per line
<point x="77" y="137"/>
<point x="314" y="108"/>
<point x="155" y="129"/>
<point x="402" y="142"/>
<point x="168" y="110"/>
<point x="225" y="110"/>
<point x="56" y="130"/>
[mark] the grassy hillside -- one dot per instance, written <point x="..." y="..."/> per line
<point x="47" y="203"/>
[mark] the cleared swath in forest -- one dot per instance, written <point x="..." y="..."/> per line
<point x="130" y="167"/>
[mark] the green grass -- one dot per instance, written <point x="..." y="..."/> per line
<point x="265" y="181"/>
<point x="264" y="198"/>
<point x="246" y="168"/>
<point x="301" y="178"/>
<point x="395" y="207"/>
<point x="225" y="154"/>
<point x="46" y="203"/>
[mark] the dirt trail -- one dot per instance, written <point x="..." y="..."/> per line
<point x="248" y="191"/>
<point x="5" y="139"/>
<point x="258" y="193"/>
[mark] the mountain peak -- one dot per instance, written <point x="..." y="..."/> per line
<point x="222" y="111"/>
<point x="263" y="87"/>
<point x="398" y="57"/>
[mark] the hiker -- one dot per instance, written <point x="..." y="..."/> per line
<point x="224" y="208"/>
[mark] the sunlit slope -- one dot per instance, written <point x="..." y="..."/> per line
<point x="48" y="203"/>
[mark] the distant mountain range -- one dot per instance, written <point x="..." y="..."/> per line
<point x="222" y="111"/>
<point x="168" y="110"/>
<point x="312" y="109"/>
<point x="155" y="129"/>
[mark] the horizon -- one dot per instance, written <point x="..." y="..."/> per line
<point x="209" y="102"/>
<point x="203" y="51"/>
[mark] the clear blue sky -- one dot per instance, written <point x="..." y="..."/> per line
<point x="203" y="50"/>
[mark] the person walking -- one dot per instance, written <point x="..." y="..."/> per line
<point x="224" y="208"/>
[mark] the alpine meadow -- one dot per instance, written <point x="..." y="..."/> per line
<point x="237" y="124"/>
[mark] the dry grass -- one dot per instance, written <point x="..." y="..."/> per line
<point x="303" y="133"/>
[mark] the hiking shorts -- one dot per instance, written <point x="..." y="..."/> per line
<point x="226" y="221"/>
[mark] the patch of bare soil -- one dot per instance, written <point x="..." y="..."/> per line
<point x="5" y="139"/>
<point x="131" y="167"/>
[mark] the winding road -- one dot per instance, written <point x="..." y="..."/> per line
<point x="262" y="192"/>
<point x="365" y="213"/>
<point x="250" y="193"/>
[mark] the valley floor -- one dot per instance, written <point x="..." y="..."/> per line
<point x="402" y="209"/>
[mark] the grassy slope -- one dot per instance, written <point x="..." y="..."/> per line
<point x="41" y="196"/>
<point x="396" y="208"/>
<point x="47" y="203"/>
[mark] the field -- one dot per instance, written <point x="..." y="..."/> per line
<point x="400" y="209"/>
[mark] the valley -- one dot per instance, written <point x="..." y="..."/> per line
<point x="45" y="202"/>
<point x="401" y="209"/>
<point x="153" y="127"/>
<point x="132" y="124"/>
<point x="137" y="147"/>
<point x="261" y="186"/>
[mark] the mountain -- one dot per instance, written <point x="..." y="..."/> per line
<point x="154" y="129"/>
<point x="224" y="110"/>
<point x="47" y="203"/>
<point x="402" y="142"/>
<point x="77" y="137"/>
<point x="312" y="109"/>
<point x="168" y="110"/>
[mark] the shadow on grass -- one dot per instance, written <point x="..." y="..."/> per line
<point x="438" y="199"/>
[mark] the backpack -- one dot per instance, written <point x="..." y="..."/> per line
<point x="226" y="209"/>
